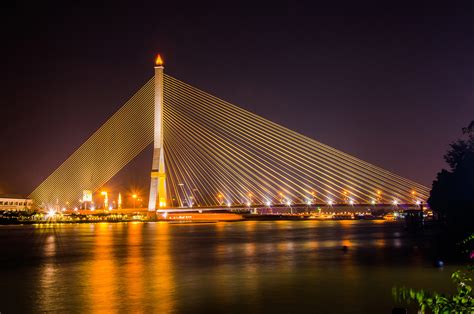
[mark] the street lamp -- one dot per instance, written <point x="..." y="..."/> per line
<point x="282" y="197"/>
<point x="345" y="196"/>
<point x="134" y="196"/>
<point x="379" y="197"/>
<point x="413" y="194"/>
<point x="106" y="199"/>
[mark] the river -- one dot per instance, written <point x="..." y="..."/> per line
<point x="234" y="267"/>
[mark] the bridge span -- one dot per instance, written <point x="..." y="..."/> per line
<point x="296" y="208"/>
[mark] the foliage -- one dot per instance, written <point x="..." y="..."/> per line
<point x="467" y="246"/>
<point x="452" y="194"/>
<point x="461" y="148"/>
<point x="460" y="302"/>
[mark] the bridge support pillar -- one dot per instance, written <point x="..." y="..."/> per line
<point x="158" y="174"/>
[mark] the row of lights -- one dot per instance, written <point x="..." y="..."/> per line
<point x="330" y="202"/>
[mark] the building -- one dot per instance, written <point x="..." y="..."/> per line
<point x="15" y="202"/>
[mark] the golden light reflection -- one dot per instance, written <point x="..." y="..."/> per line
<point x="48" y="275"/>
<point x="134" y="263"/>
<point x="347" y="243"/>
<point x="163" y="284"/>
<point x="346" y="223"/>
<point x="311" y="245"/>
<point x="380" y="242"/>
<point x="102" y="271"/>
<point x="285" y="247"/>
<point x="220" y="226"/>
<point x="251" y="272"/>
<point x="250" y="226"/>
<point x="250" y="249"/>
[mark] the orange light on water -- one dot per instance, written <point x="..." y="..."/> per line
<point x="158" y="60"/>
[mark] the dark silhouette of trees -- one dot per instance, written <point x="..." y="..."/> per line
<point x="452" y="194"/>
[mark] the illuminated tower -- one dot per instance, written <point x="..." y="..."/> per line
<point x="158" y="176"/>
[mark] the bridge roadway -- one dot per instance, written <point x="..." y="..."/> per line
<point x="295" y="208"/>
<point x="258" y="209"/>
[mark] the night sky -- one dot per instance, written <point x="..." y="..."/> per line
<point x="391" y="84"/>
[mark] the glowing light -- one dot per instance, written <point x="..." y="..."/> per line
<point x="309" y="202"/>
<point x="395" y="202"/>
<point x="268" y="203"/>
<point x="92" y="207"/>
<point x="229" y="204"/>
<point x="288" y="203"/>
<point x="373" y="202"/>
<point x="330" y="202"/>
<point x="351" y="202"/>
<point x="51" y="212"/>
<point x="158" y="60"/>
<point x="75" y="209"/>
<point x="165" y="214"/>
<point x="418" y="202"/>
<point x="248" y="204"/>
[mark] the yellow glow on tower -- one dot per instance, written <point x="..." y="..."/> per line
<point x="158" y="60"/>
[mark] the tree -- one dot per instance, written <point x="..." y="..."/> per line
<point x="462" y="148"/>
<point x="452" y="194"/>
<point x="462" y="301"/>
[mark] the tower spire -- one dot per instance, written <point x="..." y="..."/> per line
<point x="158" y="175"/>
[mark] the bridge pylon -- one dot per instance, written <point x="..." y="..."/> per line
<point x="158" y="174"/>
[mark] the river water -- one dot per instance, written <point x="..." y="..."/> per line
<point x="238" y="267"/>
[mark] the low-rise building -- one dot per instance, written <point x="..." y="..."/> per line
<point x="15" y="202"/>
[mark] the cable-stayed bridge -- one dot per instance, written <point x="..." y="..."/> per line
<point x="209" y="152"/>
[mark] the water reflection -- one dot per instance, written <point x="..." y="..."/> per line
<point x="134" y="265"/>
<point x="48" y="274"/>
<point x="101" y="272"/>
<point x="224" y="267"/>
